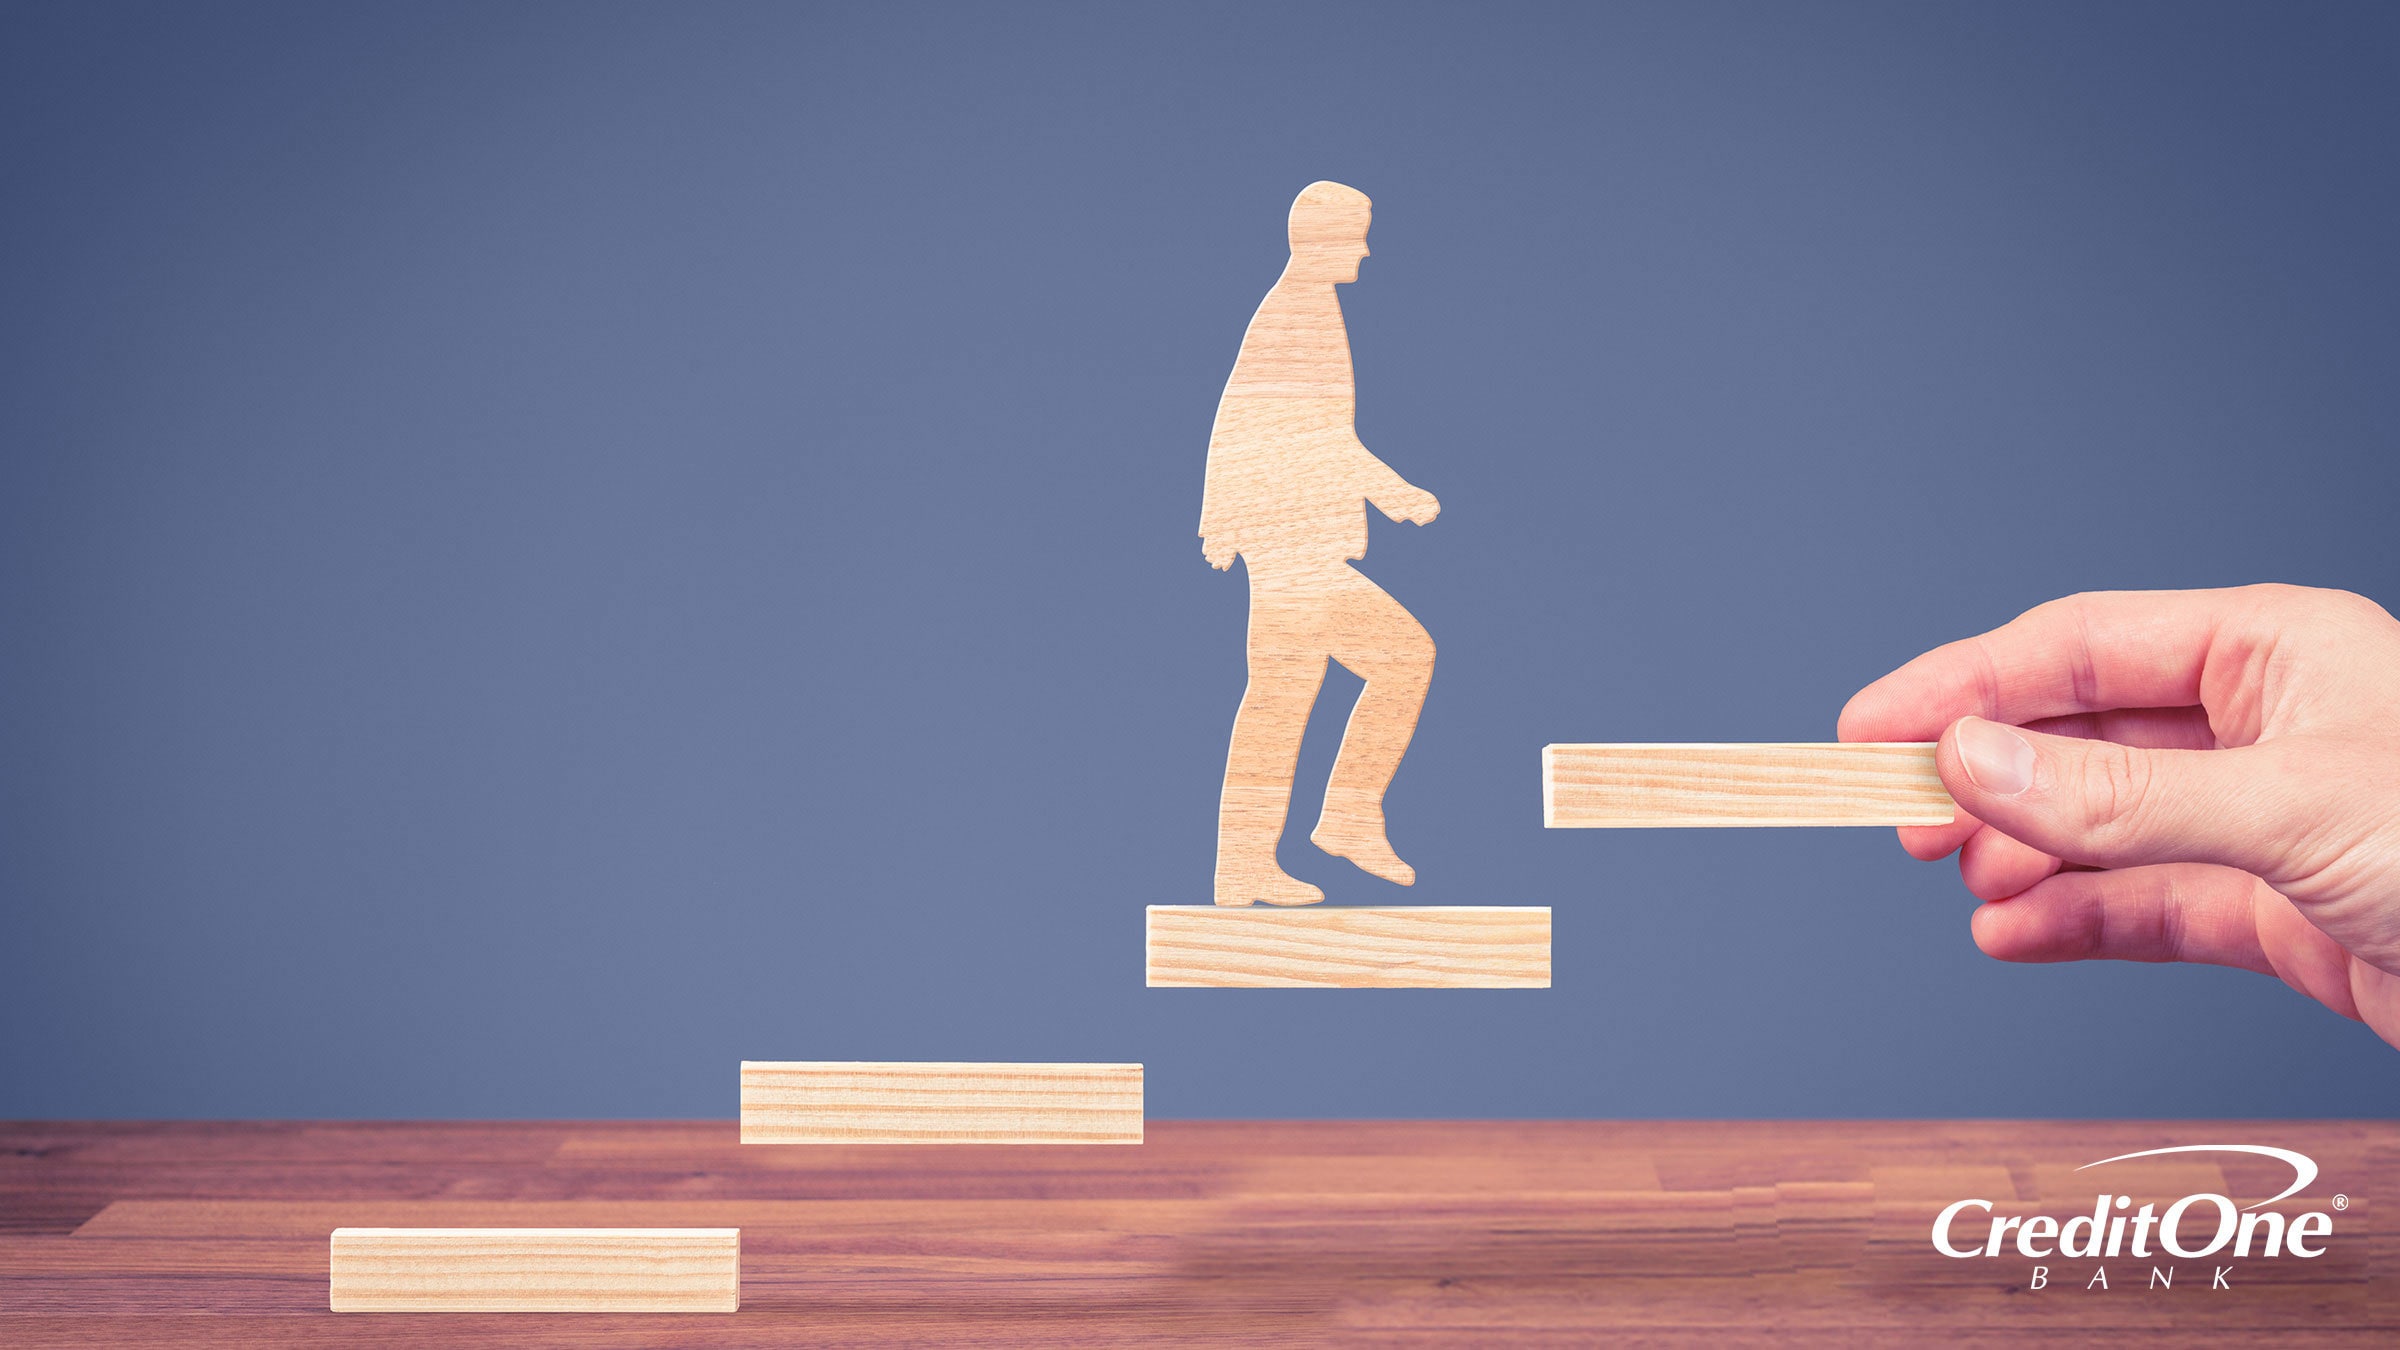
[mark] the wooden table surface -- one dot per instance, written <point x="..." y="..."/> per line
<point x="1394" y="1232"/>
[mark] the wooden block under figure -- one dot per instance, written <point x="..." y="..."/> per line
<point x="931" y="1102"/>
<point x="1878" y="783"/>
<point x="555" y="1270"/>
<point x="1413" y="947"/>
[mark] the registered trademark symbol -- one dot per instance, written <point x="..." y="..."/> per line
<point x="2341" y="1202"/>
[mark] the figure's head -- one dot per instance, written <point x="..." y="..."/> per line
<point x="1329" y="231"/>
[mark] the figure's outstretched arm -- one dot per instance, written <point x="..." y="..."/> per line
<point x="1398" y="499"/>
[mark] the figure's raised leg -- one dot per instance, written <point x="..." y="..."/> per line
<point x="1258" y="778"/>
<point x="1378" y="640"/>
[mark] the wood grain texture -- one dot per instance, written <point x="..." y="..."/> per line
<point x="838" y="1102"/>
<point x="1287" y="489"/>
<point x="1415" y="947"/>
<point x="1599" y="786"/>
<point x="531" y="1270"/>
<point x="1426" y="1233"/>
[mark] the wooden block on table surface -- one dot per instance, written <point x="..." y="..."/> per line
<point x="537" y="1269"/>
<point x="1866" y="783"/>
<point x="1407" y="947"/>
<point x="844" y="1102"/>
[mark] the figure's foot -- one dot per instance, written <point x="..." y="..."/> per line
<point x="1270" y="884"/>
<point x="1357" y="834"/>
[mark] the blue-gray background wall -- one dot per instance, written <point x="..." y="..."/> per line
<point x="546" y="550"/>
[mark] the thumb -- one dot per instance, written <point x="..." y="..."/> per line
<point x="2110" y="805"/>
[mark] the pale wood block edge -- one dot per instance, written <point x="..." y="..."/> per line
<point x="1273" y="913"/>
<point x="716" y="1290"/>
<point x="1110" y="1110"/>
<point x="1320" y="925"/>
<point x="1928" y="805"/>
<point x="1860" y="822"/>
<point x="960" y="1065"/>
<point x="1549" y="787"/>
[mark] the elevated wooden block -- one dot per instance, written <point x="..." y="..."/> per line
<point x="1880" y="783"/>
<point x="537" y="1269"/>
<point x="804" y="1102"/>
<point x="1410" y="947"/>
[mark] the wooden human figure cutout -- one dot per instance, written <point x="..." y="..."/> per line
<point x="1288" y="484"/>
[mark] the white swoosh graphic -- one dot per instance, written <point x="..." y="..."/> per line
<point x="2304" y="1168"/>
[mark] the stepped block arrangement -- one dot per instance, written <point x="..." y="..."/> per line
<point x="1286" y="488"/>
<point x="800" y="1102"/>
<point x="1415" y="947"/>
<point x="618" y="1270"/>
<point x="1604" y="786"/>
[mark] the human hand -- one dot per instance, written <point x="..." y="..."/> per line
<point x="2231" y="759"/>
<point x="1219" y="551"/>
<point x="1413" y="506"/>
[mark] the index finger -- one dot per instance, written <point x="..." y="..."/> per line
<point x="2087" y="653"/>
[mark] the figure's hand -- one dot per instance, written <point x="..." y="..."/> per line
<point x="1412" y="506"/>
<point x="1220" y="552"/>
<point x="2231" y="759"/>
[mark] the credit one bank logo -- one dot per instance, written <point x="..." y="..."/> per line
<point x="2194" y="1227"/>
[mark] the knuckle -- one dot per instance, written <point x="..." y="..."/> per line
<point x="2167" y="924"/>
<point x="2096" y="928"/>
<point x="2069" y="607"/>
<point x="2048" y="609"/>
<point x="2278" y="592"/>
<point x="2115" y="793"/>
<point x="1985" y="675"/>
<point x="2353" y="607"/>
<point x="2318" y="603"/>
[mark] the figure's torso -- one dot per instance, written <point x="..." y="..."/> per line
<point x="1296" y="347"/>
<point x="1284" y="449"/>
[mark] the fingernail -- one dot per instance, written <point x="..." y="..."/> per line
<point x="1998" y="759"/>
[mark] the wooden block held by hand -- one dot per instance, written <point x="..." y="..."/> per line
<point x="1868" y="783"/>
<point x="1410" y="947"/>
<point x="537" y="1269"/>
<point x="841" y="1102"/>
